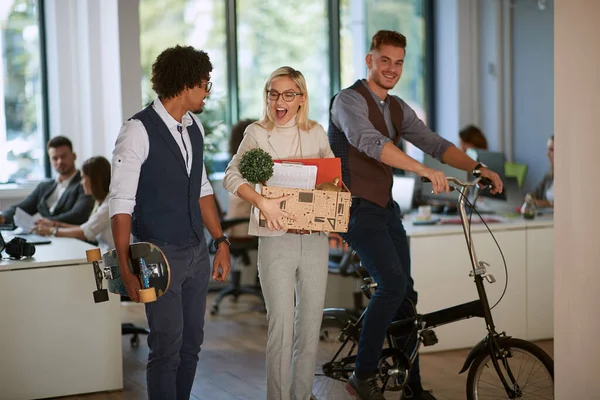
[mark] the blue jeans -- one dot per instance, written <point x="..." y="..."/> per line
<point x="378" y="237"/>
<point x="176" y="322"/>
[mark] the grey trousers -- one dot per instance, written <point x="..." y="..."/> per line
<point x="293" y="275"/>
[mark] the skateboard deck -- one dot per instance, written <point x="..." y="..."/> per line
<point x="146" y="261"/>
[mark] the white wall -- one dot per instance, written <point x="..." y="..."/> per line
<point x="532" y="86"/>
<point x="577" y="254"/>
<point x="456" y="55"/>
<point x="93" y="69"/>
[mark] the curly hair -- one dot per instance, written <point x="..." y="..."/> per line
<point x="178" y="68"/>
<point x="391" y="38"/>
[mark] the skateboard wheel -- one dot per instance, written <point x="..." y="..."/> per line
<point x="93" y="255"/>
<point x="147" y="295"/>
<point x="100" y="296"/>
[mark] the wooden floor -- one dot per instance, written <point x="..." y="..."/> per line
<point x="232" y="363"/>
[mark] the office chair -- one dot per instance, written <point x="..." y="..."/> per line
<point x="516" y="170"/>
<point x="344" y="261"/>
<point x="131" y="329"/>
<point x="239" y="250"/>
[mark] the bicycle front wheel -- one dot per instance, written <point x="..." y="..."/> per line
<point x="528" y="370"/>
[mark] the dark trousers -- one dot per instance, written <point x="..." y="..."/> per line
<point x="378" y="237"/>
<point x="176" y="322"/>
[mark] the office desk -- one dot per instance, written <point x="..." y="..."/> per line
<point x="441" y="266"/>
<point x="54" y="340"/>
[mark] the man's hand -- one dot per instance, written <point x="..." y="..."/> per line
<point x="132" y="284"/>
<point x="43" y="230"/>
<point x="273" y="213"/>
<point x="45" y="222"/>
<point x="496" y="181"/>
<point x="2" y="219"/>
<point x="221" y="263"/>
<point x="438" y="180"/>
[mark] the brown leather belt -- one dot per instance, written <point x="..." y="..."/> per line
<point x="301" y="231"/>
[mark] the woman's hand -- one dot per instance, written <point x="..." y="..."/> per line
<point x="43" y="230"/>
<point x="271" y="209"/>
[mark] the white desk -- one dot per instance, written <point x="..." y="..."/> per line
<point x="54" y="340"/>
<point x="441" y="265"/>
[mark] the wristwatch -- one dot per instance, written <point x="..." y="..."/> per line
<point x="53" y="231"/>
<point x="477" y="169"/>
<point x="220" y="240"/>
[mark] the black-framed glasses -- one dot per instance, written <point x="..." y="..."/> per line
<point x="287" y="96"/>
<point x="207" y="86"/>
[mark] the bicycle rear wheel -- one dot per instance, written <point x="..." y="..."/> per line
<point x="531" y="367"/>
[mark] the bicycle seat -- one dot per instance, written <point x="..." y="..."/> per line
<point x="401" y="327"/>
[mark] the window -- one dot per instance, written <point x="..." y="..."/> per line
<point x="276" y="33"/>
<point x="22" y="137"/>
<point x="270" y="34"/>
<point x="360" y="20"/>
<point x="200" y="24"/>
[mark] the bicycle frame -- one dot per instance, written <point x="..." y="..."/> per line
<point x="422" y="323"/>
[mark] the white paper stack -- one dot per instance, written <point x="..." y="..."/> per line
<point x="295" y="176"/>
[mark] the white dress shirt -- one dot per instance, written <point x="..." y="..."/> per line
<point x="98" y="228"/>
<point x="61" y="186"/>
<point x="131" y="151"/>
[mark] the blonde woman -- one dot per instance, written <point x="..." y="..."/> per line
<point x="292" y="265"/>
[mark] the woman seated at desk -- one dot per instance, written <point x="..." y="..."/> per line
<point x="95" y="179"/>
<point x="543" y="194"/>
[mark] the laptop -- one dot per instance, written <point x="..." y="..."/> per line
<point x="513" y="198"/>
<point x="403" y="190"/>
<point x="29" y="237"/>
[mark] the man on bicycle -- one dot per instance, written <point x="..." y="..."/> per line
<point x="365" y="127"/>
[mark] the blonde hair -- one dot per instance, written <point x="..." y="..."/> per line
<point x="302" y="120"/>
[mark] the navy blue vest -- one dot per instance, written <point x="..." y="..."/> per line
<point x="166" y="207"/>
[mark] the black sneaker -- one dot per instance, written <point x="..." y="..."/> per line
<point x="424" y="395"/>
<point x="364" y="389"/>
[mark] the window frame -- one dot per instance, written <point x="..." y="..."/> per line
<point x="334" y="60"/>
<point x="41" y="4"/>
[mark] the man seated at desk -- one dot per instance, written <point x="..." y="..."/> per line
<point x="62" y="199"/>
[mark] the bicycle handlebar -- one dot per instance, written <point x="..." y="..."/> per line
<point x="479" y="179"/>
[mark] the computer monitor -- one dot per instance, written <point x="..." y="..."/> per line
<point x="494" y="161"/>
<point x="403" y="191"/>
<point x="425" y="189"/>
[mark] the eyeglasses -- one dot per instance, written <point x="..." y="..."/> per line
<point x="287" y="96"/>
<point x="207" y="87"/>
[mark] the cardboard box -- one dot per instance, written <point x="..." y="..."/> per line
<point x="316" y="210"/>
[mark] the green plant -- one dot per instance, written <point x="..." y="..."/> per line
<point x="256" y="166"/>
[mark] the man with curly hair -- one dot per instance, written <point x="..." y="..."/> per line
<point x="160" y="194"/>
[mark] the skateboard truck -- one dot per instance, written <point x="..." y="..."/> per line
<point x="93" y="256"/>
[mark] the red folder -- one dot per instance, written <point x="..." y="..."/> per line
<point x="327" y="168"/>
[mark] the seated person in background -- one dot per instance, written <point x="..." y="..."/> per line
<point x="543" y="194"/>
<point x="62" y="199"/>
<point x="95" y="180"/>
<point x="238" y="207"/>
<point x="471" y="137"/>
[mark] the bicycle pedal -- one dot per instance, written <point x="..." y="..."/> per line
<point x="429" y="337"/>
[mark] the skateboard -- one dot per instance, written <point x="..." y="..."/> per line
<point x="146" y="261"/>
